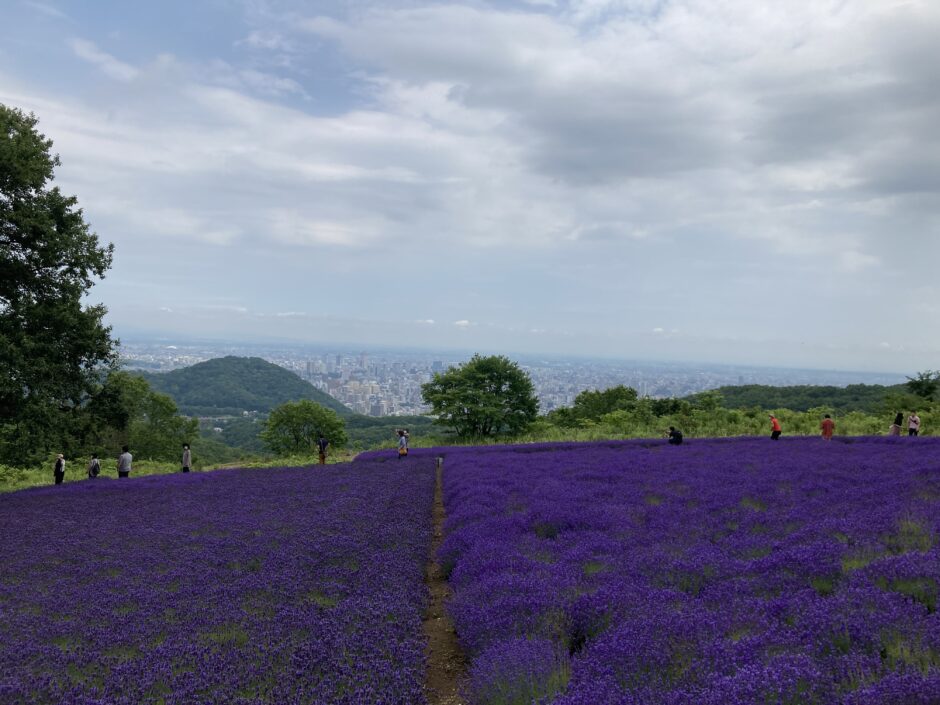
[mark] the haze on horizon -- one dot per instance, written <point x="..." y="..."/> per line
<point x="706" y="180"/>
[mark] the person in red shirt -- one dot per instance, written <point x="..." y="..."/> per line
<point x="775" y="429"/>
<point x="827" y="426"/>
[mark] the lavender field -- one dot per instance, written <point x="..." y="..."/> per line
<point x="717" y="572"/>
<point x="721" y="571"/>
<point x="245" y="586"/>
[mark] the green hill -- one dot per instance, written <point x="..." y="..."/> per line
<point x="227" y="386"/>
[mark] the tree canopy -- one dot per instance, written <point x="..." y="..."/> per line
<point x="485" y="396"/>
<point x="127" y="411"/>
<point x="295" y="426"/>
<point x="925" y="384"/>
<point x="52" y="346"/>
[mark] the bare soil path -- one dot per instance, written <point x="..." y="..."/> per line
<point x="446" y="661"/>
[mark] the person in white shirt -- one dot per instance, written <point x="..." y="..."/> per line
<point x="124" y="462"/>
<point x="913" y="424"/>
<point x="402" y="444"/>
<point x="187" y="458"/>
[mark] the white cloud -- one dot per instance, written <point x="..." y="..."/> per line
<point x="47" y="9"/>
<point x="853" y="260"/>
<point x="595" y="162"/>
<point x="109" y="65"/>
<point x="268" y="40"/>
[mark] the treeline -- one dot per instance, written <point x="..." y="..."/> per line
<point x="867" y="398"/>
<point x="492" y="398"/>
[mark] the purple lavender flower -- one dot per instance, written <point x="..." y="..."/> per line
<point x="244" y="586"/>
<point x="730" y="572"/>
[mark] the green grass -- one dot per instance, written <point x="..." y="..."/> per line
<point x="922" y="590"/>
<point x="898" y="650"/>
<point x="910" y="536"/>
<point x="752" y="504"/>
<point x="12" y="479"/>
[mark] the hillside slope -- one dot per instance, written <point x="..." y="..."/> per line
<point x="230" y="385"/>
<point x="869" y="398"/>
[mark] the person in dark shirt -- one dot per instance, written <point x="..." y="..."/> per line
<point x="94" y="467"/>
<point x="58" y="472"/>
<point x="322" y="445"/>
<point x="675" y="436"/>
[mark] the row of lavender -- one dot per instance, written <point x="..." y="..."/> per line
<point x="244" y="586"/>
<point x="718" y="572"/>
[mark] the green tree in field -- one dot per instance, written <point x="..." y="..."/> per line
<point x="294" y="427"/>
<point x="592" y="404"/>
<point x="925" y="384"/>
<point x="127" y="411"/>
<point x="485" y="396"/>
<point x="52" y="346"/>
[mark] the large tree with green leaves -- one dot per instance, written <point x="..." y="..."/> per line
<point x="127" y="411"/>
<point x="925" y="384"/>
<point x="295" y="426"/>
<point x="485" y="396"/>
<point x="52" y="345"/>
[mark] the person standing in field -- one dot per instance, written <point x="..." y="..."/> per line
<point x="775" y="429"/>
<point x="322" y="445"/>
<point x="895" y="428"/>
<point x="124" y="462"/>
<point x="187" y="458"/>
<point x="402" y="444"/>
<point x="58" y="471"/>
<point x="94" y="467"/>
<point x="913" y="424"/>
<point x="828" y="426"/>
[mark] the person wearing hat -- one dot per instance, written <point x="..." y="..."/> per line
<point x="58" y="472"/>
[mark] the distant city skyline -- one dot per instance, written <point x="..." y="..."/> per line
<point x="387" y="382"/>
<point x="685" y="180"/>
<point x="222" y="347"/>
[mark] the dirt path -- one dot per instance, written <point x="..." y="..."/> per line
<point x="446" y="662"/>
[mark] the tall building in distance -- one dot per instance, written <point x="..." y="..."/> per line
<point x="384" y="383"/>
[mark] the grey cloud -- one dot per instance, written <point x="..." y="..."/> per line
<point x="579" y="168"/>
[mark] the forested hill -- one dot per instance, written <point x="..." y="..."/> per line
<point x="230" y="385"/>
<point x="869" y="398"/>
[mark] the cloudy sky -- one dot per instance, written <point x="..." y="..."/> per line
<point x="709" y="180"/>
